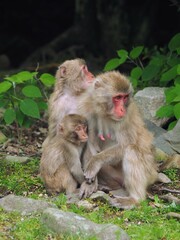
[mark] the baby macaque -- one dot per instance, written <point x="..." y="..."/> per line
<point x="60" y="166"/>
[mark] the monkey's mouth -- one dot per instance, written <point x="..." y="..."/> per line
<point x="84" y="140"/>
<point x="117" y="118"/>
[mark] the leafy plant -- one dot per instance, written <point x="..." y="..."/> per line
<point x="23" y="96"/>
<point x="172" y="173"/>
<point x="161" y="67"/>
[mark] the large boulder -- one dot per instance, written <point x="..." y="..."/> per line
<point x="149" y="100"/>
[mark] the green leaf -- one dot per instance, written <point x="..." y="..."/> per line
<point x="150" y="71"/>
<point x="30" y="108"/>
<point x="158" y="61"/>
<point x="31" y="91"/>
<point x="27" y="123"/>
<point x="136" y="72"/>
<point x="9" y="116"/>
<point x="170" y="94"/>
<point x="178" y="69"/>
<point x="112" y="64"/>
<point x="47" y="79"/>
<point x="177" y="111"/>
<point x="21" y="77"/>
<point x="122" y="53"/>
<point x="19" y="117"/>
<point x="174" y="42"/>
<point x="165" y="111"/>
<point x="42" y="105"/>
<point x="178" y="50"/>
<point x="172" y="125"/>
<point x="173" y="61"/>
<point x="135" y="52"/>
<point x="134" y="81"/>
<point x="176" y="99"/>
<point x="169" y="75"/>
<point x="5" y="86"/>
<point x="177" y="80"/>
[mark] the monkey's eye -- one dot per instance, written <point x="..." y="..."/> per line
<point x="78" y="128"/>
<point x="117" y="98"/>
<point x="126" y="97"/>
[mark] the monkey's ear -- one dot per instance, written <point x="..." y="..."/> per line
<point x="62" y="70"/>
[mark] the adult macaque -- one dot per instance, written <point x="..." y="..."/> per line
<point x="60" y="165"/>
<point x="126" y="160"/>
<point x="72" y="79"/>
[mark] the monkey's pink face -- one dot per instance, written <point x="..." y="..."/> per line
<point x="87" y="76"/>
<point x="119" y="105"/>
<point x="81" y="131"/>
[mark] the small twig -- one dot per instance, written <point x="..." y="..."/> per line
<point x="170" y="190"/>
<point x="166" y="189"/>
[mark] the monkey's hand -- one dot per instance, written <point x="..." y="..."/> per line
<point x="87" y="189"/>
<point x="91" y="171"/>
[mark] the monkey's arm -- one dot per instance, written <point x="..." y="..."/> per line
<point x="110" y="155"/>
<point x="74" y="165"/>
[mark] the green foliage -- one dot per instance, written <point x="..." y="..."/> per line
<point x="23" y="97"/>
<point x="172" y="173"/>
<point x="161" y="67"/>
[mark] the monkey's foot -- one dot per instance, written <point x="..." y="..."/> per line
<point x="87" y="190"/>
<point x="123" y="202"/>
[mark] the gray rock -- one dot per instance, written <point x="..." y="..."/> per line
<point x="19" y="159"/>
<point x="173" y="137"/>
<point x="162" y="144"/>
<point x="149" y="100"/>
<point x="73" y="224"/>
<point x="152" y="127"/>
<point x="23" y="205"/>
<point x="87" y="205"/>
<point x="101" y="196"/>
<point x="167" y="141"/>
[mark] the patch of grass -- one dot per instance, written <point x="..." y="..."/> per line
<point x="15" y="226"/>
<point x="148" y="221"/>
<point x="21" y="179"/>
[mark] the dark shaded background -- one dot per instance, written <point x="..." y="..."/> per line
<point x="49" y="32"/>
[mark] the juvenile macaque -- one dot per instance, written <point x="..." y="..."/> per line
<point x="72" y="79"/>
<point x="126" y="159"/>
<point x="60" y="165"/>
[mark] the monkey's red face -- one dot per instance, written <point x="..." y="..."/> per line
<point x="120" y="104"/>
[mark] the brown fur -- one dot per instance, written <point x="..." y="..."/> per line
<point x="129" y="153"/>
<point x="71" y="82"/>
<point x="60" y="165"/>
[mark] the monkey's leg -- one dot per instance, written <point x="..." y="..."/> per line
<point x="123" y="202"/>
<point x="135" y="179"/>
<point x="69" y="183"/>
